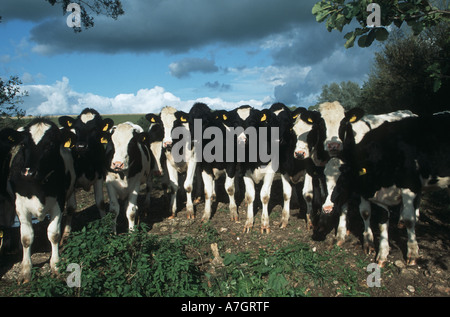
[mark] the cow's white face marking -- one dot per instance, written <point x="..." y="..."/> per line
<point x="301" y="130"/>
<point x="121" y="137"/>
<point x="38" y="130"/>
<point x="243" y="113"/>
<point x="332" y="113"/>
<point x="168" y="118"/>
<point x="86" y="117"/>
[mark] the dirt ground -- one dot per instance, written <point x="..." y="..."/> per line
<point x="429" y="278"/>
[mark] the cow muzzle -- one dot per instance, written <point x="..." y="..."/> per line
<point x="117" y="166"/>
<point x="28" y="172"/>
<point x="327" y="209"/>
<point x="334" y="147"/>
<point x="300" y="155"/>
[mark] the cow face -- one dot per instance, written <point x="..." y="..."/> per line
<point x="87" y="127"/>
<point x="123" y="145"/>
<point x="332" y="113"/>
<point x="41" y="145"/>
<point x="308" y="128"/>
<point x="171" y="119"/>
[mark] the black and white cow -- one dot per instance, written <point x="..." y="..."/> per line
<point x="9" y="138"/>
<point x="403" y="157"/>
<point x="88" y="155"/>
<point x="352" y="129"/>
<point x="128" y="161"/>
<point x="42" y="177"/>
<point x="176" y="134"/>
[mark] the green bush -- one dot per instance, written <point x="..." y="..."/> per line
<point x="133" y="264"/>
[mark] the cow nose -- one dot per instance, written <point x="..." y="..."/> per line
<point x="167" y="144"/>
<point x="299" y="155"/>
<point x="334" y="146"/>
<point x="327" y="209"/>
<point x="118" y="166"/>
<point x="28" y="172"/>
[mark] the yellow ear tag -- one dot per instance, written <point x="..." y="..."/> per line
<point x="264" y="118"/>
<point x="362" y="172"/>
<point x="295" y="117"/>
<point x="67" y="144"/>
<point x="152" y="120"/>
<point x="310" y="120"/>
<point x="352" y="119"/>
<point x="69" y="124"/>
<point x="225" y="117"/>
<point x="11" y="138"/>
<point x="103" y="140"/>
<point x="105" y="128"/>
<point x="183" y="119"/>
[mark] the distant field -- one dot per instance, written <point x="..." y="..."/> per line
<point x="118" y="118"/>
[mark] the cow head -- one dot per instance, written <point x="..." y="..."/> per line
<point x="123" y="145"/>
<point x="88" y="127"/>
<point x="171" y="119"/>
<point x="309" y="131"/>
<point x="42" y="142"/>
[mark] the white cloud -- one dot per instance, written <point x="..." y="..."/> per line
<point x="60" y="99"/>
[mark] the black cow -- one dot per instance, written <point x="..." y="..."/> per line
<point x="89" y="157"/>
<point x="391" y="165"/>
<point x="42" y="177"/>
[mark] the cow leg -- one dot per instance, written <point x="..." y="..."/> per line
<point x="342" y="226"/>
<point x="409" y="219"/>
<point x="308" y="196"/>
<point x="265" y="197"/>
<point x="114" y="205"/>
<point x="173" y="181"/>
<point x="53" y="234"/>
<point x="132" y="207"/>
<point x="26" y="237"/>
<point x="99" y="199"/>
<point x="365" y="212"/>
<point x="287" y="193"/>
<point x="208" y="183"/>
<point x="70" y="209"/>
<point x="188" y="186"/>
<point x="249" y="198"/>
<point x="383" y="250"/>
<point x="229" y="186"/>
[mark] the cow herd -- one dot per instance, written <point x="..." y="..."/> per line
<point x="335" y="160"/>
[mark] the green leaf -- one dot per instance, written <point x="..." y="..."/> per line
<point x="381" y="34"/>
<point x="437" y="84"/>
<point x="351" y="40"/>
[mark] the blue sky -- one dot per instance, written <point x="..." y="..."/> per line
<point x="174" y="52"/>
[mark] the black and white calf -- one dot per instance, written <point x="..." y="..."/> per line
<point x="88" y="155"/>
<point x="42" y="177"/>
<point x="352" y="129"/>
<point x="128" y="161"/>
<point x="176" y="131"/>
<point x="404" y="157"/>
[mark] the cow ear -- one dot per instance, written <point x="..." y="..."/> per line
<point x="10" y="136"/>
<point x="107" y="124"/>
<point x="105" y="137"/>
<point x="309" y="117"/>
<point x="353" y="115"/>
<point x="182" y="116"/>
<point x="153" y="118"/>
<point x="297" y="112"/>
<point x="68" y="138"/>
<point x="144" y="137"/>
<point x="66" y="121"/>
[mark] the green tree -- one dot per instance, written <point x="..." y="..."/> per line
<point x="418" y="14"/>
<point x="11" y="96"/>
<point x="346" y="92"/>
<point x="400" y="77"/>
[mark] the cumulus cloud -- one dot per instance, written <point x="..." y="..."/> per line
<point x="218" y="86"/>
<point x="186" y="66"/>
<point x="61" y="99"/>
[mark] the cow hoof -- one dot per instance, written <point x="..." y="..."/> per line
<point x="247" y="229"/>
<point x="265" y="230"/>
<point x="190" y="216"/>
<point x="172" y="217"/>
<point x="381" y="263"/>
<point x="411" y="262"/>
<point x="340" y="242"/>
<point x="235" y="218"/>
